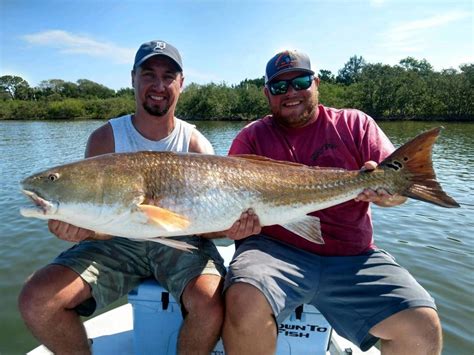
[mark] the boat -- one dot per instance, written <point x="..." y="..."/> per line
<point x="149" y="324"/>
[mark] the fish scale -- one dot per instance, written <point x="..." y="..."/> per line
<point x="157" y="195"/>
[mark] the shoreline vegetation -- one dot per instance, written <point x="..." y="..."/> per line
<point x="410" y="90"/>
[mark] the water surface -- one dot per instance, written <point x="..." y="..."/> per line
<point x="435" y="244"/>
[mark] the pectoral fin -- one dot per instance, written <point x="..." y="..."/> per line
<point x="166" y="219"/>
<point x="307" y="227"/>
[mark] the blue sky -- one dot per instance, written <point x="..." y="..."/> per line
<point x="225" y="41"/>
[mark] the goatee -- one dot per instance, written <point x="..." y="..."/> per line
<point x="156" y="111"/>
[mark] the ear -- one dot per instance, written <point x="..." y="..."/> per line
<point x="133" y="78"/>
<point x="266" y="92"/>
<point x="317" y="81"/>
<point x="181" y="83"/>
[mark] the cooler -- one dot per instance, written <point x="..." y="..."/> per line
<point x="157" y="319"/>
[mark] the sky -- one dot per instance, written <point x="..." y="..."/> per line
<point x="226" y="41"/>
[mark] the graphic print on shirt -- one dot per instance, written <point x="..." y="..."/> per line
<point x="321" y="150"/>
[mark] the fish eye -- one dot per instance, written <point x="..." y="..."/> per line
<point x="53" y="177"/>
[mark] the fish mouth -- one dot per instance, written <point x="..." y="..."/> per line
<point x="42" y="207"/>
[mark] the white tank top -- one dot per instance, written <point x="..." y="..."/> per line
<point x="128" y="139"/>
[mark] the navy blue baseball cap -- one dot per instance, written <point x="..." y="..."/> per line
<point x="157" y="47"/>
<point x="287" y="61"/>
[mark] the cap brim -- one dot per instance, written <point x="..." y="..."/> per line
<point x="288" y="70"/>
<point x="145" y="58"/>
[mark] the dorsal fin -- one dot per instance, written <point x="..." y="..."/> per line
<point x="266" y="160"/>
<point x="282" y="162"/>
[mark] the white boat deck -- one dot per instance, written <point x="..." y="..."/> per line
<point x="112" y="333"/>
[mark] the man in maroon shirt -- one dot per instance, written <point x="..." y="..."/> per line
<point x="360" y="289"/>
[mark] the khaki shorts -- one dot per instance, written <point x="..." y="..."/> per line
<point x="114" y="267"/>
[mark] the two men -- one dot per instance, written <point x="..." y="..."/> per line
<point x="361" y="290"/>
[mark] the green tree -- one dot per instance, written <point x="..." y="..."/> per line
<point x="49" y="90"/>
<point x="326" y="76"/>
<point x="66" y="109"/>
<point x="125" y="92"/>
<point x="454" y="92"/>
<point x="420" y="66"/>
<point x="333" y="95"/>
<point x="374" y="91"/>
<point x="351" y="71"/>
<point x="14" y="87"/>
<point x="90" y="90"/>
<point x="259" y="82"/>
<point x="251" y="102"/>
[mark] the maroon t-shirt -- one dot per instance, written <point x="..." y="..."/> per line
<point x="338" y="138"/>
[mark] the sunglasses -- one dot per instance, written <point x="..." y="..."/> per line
<point x="280" y="87"/>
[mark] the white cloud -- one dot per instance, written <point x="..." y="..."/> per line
<point x="69" y="43"/>
<point x="410" y="36"/>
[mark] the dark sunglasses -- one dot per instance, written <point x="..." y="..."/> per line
<point x="280" y="87"/>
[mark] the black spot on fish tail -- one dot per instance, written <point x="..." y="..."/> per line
<point x="393" y="166"/>
<point x="418" y="170"/>
<point x="397" y="163"/>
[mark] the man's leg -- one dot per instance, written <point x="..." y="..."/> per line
<point x="49" y="299"/>
<point x="202" y="299"/>
<point x="265" y="282"/>
<point x="370" y="297"/>
<point x="412" y="331"/>
<point x="249" y="326"/>
<point x="47" y="304"/>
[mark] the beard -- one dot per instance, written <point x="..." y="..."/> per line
<point x="302" y="119"/>
<point x="156" y="111"/>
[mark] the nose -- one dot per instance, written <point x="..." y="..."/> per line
<point x="158" y="84"/>
<point x="291" y="90"/>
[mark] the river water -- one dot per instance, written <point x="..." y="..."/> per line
<point x="434" y="243"/>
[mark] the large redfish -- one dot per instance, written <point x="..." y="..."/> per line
<point x="154" y="195"/>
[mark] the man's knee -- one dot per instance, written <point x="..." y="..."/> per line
<point x="49" y="290"/>
<point x="246" y="305"/>
<point x="419" y="326"/>
<point x="426" y="325"/>
<point x="421" y="321"/>
<point x="202" y="298"/>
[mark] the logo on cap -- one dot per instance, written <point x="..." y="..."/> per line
<point x="160" y="46"/>
<point x="284" y="60"/>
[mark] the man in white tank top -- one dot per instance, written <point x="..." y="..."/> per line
<point x="99" y="270"/>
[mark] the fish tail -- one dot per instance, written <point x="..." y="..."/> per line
<point x="413" y="159"/>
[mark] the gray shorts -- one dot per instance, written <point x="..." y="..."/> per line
<point x="114" y="267"/>
<point x="354" y="293"/>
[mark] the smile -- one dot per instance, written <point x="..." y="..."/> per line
<point x="292" y="103"/>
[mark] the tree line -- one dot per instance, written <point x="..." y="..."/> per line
<point x="412" y="89"/>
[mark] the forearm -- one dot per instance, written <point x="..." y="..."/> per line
<point x="213" y="235"/>
<point x="100" y="236"/>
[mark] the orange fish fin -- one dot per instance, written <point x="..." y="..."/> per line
<point x="167" y="219"/>
<point x="414" y="161"/>
<point x="307" y="227"/>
